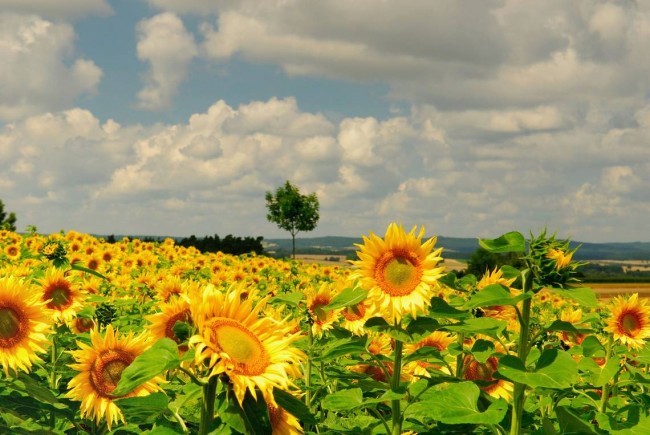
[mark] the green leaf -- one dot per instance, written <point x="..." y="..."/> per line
<point x="343" y="400"/>
<point x="494" y="295"/>
<point x="143" y="409"/>
<point x="349" y="296"/>
<point x="160" y="357"/>
<point x="425" y="354"/>
<point x="378" y="324"/>
<point x="510" y="272"/>
<point x="570" y="423"/>
<point x="441" y="309"/>
<point x="599" y="375"/>
<point x="591" y="345"/>
<point x="292" y="299"/>
<point x="482" y="325"/>
<point x="554" y="369"/>
<point x="560" y="325"/>
<point x="76" y="266"/>
<point x="509" y="242"/>
<point x="482" y="350"/>
<point x="456" y="404"/>
<point x="585" y="296"/>
<point x="421" y="328"/>
<point x="341" y="347"/>
<point x="255" y="413"/>
<point x="293" y="406"/>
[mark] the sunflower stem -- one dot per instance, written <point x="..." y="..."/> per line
<point x="53" y="351"/>
<point x="605" y="390"/>
<point x="310" y="344"/>
<point x="394" y="386"/>
<point x="461" y="356"/>
<point x="207" y="408"/>
<point x="519" y="393"/>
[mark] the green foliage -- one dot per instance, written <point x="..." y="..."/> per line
<point x="7" y="220"/>
<point x="292" y="211"/>
<point x="228" y="245"/>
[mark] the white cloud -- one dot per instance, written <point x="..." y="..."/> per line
<point x="59" y="10"/>
<point x="168" y="47"/>
<point x="37" y="71"/>
<point x="209" y="174"/>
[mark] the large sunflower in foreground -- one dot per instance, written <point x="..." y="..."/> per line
<point x="255" y="351"/>
<point x="24" y="323"/>
<point x="399" y="271"/>
<point x="100" y="368"/>
<point x="629" y="321"/>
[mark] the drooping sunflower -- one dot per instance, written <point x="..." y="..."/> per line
<point x="438" y="340"/>
<point x="399" y="271"/>
<point x="355" y="316"/>
<point x="283" y="423"/>
<point x="255" y="351"/>
<point x="63" y="296"/>
<point x="629" y="321"/>
<point x="322" y="320"/>
<point x="162" y="323"/>
<point x="483" y="374"/>
<point x="24" y="323"/>
<point x="100" y="368"/>
<point x="500" y="312"/>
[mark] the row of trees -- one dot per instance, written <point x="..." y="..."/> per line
<point x="228" y="245"/>
<point x="287" y="207"/>
<point x="7" y="220"/>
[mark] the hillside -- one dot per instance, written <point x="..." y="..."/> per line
<point x="454" y="247"/>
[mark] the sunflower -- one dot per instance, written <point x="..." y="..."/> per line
<point x="629" y="322"/>
<point x="439" y="340"/>
<point x="100" y="368"/>
<point x="500" y="312"/>
<point x="12" y="251"/>
<point x="355" y="317"/>
<point x="562" y="258"/>
<point x="283" y="423"/>
<point x="573" y="316"/>
<point x="255" y="351"/>
<point x="399" y="271"/>
<point x="162" y="323"/>
<point x="322" y="320"/>
<point x="62" y="296"/>
<point x="24" y="323"/>
<point x="483" y="374"/>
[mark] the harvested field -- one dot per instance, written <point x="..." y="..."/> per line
<point x="607" y="290"/>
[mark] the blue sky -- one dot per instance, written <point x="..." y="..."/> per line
<point x="472" y="118"/>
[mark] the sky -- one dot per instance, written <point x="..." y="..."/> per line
<point x="471" y="118"/>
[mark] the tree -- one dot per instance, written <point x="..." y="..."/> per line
<point x="292" y="211"/>
<point x="483" y="261"/>
<point x="7" y="221"/>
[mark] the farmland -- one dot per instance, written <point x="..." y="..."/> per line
<point x="152" y="337"/>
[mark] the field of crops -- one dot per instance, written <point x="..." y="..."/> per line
<point x="142" y="337"/>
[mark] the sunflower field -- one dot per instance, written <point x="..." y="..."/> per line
<point x="149" y="337"/>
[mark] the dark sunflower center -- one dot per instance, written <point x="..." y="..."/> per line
<point x="60" y="296"/>
<point x="354" y="312"/>
<point x="9" y="324"/>
<point x="112" y="372"/>
<point x="106" y="370"/>
<point x="398" y="272"/>
<point x="317" y="307"/>
<point x="630" y="323"/>
<point x="240" y="344"/>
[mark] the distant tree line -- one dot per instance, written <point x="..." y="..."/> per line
<point x="228" y="245"/>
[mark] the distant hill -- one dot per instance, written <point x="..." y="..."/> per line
<point x="453" y="247"/>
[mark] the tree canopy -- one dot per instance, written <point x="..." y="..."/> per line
<point x="292" y="211"/>
<point x="7" y="220"/>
